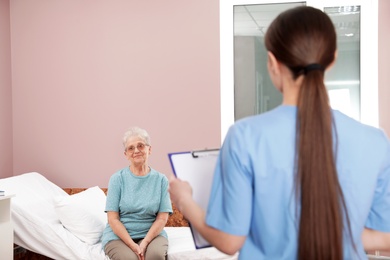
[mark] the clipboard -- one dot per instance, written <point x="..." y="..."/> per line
<point x="196" y="167"/>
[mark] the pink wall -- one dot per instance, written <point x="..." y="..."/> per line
<point x="5" y="92"/>
<point x="384" y="64"/>
<point x="84" y="71"/>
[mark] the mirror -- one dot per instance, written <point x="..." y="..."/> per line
<point x="254" y="92"/>
<point x="351" y="83"/>
<point x="253" y="89"/>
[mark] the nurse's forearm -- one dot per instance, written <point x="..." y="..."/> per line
<point x="375" y="240"/>
<point x="229" y="244"/>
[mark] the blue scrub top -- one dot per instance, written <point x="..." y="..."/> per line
<point x="252" y="193"/>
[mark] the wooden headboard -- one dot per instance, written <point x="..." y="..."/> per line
<point x="174" y="220"/>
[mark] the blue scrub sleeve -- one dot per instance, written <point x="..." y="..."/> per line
<point x="230" y="204"/>
<point x="378" y="218"/>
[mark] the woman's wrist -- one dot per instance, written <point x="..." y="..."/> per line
<point x="146" y="241"/>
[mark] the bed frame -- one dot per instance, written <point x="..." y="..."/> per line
<point x="174" y="220"/>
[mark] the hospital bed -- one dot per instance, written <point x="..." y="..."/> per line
<point x="66" y="223"/>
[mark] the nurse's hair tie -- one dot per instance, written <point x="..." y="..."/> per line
<point x="313" y="66"/>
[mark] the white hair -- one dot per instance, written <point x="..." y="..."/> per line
<point x="136" y="131"/>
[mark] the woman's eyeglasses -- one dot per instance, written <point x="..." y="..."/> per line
<point x="140" y="147"/>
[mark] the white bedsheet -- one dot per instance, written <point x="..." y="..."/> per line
<point x="38" y="229"/>
<point x="182" y="247"/>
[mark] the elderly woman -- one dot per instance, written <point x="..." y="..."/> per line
<point x="138" y="205"/>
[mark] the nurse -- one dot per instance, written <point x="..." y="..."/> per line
<point x="302" y="181"/>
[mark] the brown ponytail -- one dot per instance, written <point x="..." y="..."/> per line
<point x="317" y="185"/>
<point x="298" y="38"/>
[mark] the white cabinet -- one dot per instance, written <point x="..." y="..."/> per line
<point x="6" y="228"/>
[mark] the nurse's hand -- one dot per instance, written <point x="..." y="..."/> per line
<point x="181" y="193"/>
<point x="181" y="196"/>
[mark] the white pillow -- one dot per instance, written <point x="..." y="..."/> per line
<point x="83" y="214"/>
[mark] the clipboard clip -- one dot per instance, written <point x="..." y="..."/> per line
<point x="197" y="153"/>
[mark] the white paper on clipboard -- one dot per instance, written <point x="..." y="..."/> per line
<point x="197" y="168"/>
